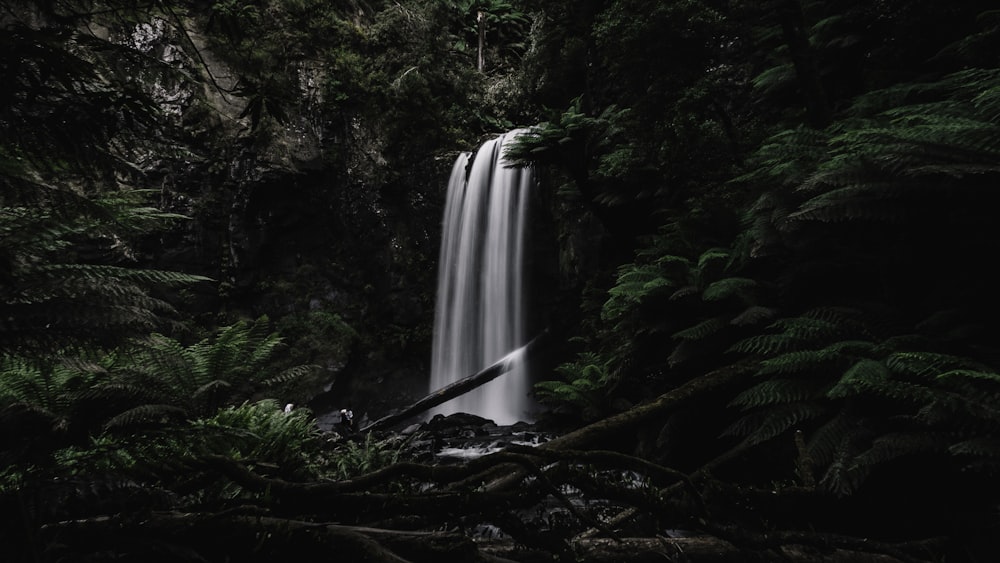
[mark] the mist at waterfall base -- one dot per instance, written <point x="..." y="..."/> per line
<point x="480" y="310"/>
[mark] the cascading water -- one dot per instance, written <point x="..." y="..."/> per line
<point x="479" y="317"/>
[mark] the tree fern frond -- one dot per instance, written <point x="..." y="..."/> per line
<point x="728" y="287"/>
<point x="795" y="333"/>
<point x="143" y="415"/>
<point x="930" y="364"/>
<point x="779" y="391"/>
<point x="672" y="265"/>
<point x="767" y="344"/>
<point x="682" y="352"/>
<point x="746" y="424"/>
<point x="774" y="79"/>
<point x="991" y="377"/>
<point x="798" y="361"/>
<point x="102" y="273"/>
<point x="783" y="418"/>
<point x="701" y="330"/>
<point x="685" y="292"/>
<point x="824" y="442"/>
<point x="840" y="476"/>
<point x="754" y="314"/>
<point x="634" y="283"/>
<point x="895" y="445"/>
<point x="290" y="374"/>
<point x="712" y="263"/>
<point x="211" y="388"/>
<point x="864" y="374"/>
<point x="809" y="328"/>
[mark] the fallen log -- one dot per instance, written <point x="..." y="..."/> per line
<point x="460" y="387"/>
<point x="608" y="430"/>
<point x="699" y="549"/>
<point x="253" y="537"/>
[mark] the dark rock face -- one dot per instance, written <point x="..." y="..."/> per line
<point x="303" y="219"/>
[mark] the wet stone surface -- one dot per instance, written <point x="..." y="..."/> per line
<point x="460" y="437"/>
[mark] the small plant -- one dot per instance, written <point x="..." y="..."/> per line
<point x="584" y="387"/>
<point x="365" y="456"/>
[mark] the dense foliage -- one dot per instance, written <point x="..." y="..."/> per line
<point x="774" y="294"/>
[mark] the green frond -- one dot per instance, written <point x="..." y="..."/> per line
<point x="886" y="448"/>
<point x="831" y="356"/>
<point x="929" y="364"/>
<point x="774" y="79"/>
<point x="103" y="273"/>
<point x="795" y="333"/>
<point x="863" y="375"/>
<point x="841" y="477"/>
<point x="144" y="415"/>
<point x="634" y="283"/>
<point x="745" y="425"/>
<point x="290" y="374"/>
<point x="989" y="377"/>
<point x="782" y="418"/>
<point x="755" y="314"/>
<point x="811" y="327"/>
<point x="779" y="391"/>
<point x="211" y="388"/>
<point x="825" y="441"/>
<point x="685" y="292"/>
<point x="713" y="263"/>
<point x="728" y="287"/>
<point x="767" y="344"/>
<point x="702" y="330"/>
<point x="873" y="378"/>
<point x="672" y="265"/>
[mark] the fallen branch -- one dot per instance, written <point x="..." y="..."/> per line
<point x="461" y="386"/>
<point x="604" y="431"/>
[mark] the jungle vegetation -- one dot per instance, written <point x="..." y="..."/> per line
<point x="773" y="307"/>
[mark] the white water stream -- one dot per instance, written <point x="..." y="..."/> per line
<point x="479" y="315"/>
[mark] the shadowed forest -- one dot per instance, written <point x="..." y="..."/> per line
<point x="762" y="257"/>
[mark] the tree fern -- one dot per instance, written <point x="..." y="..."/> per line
<point x="807" y="361"/>
<point x="729" y="287"/>
<point x="850" y="472"/>
<point x="778" y="391"/>
<point x="702" y="330"/>
<point x="584" y="386"/>
<point x="202" y="377"/>
<point x="780" y="419"/>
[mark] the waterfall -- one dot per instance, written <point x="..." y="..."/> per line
<point x="479" y="315"/>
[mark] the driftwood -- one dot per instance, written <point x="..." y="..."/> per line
<point x="461" y="386"/>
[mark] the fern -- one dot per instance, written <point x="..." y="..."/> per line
<point x="200" y="378"/>
<point x="779" y="391"/>
<point x="884" y="449"/>
<point x="584" y="385"/>
<point x="728" y="287"/>
<point x="798" y="361"/>
<point x="781" y="419"/>
<point x="358" y="458"/>
<point x="863" y="376"/>
<point x="703" y="329"/>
